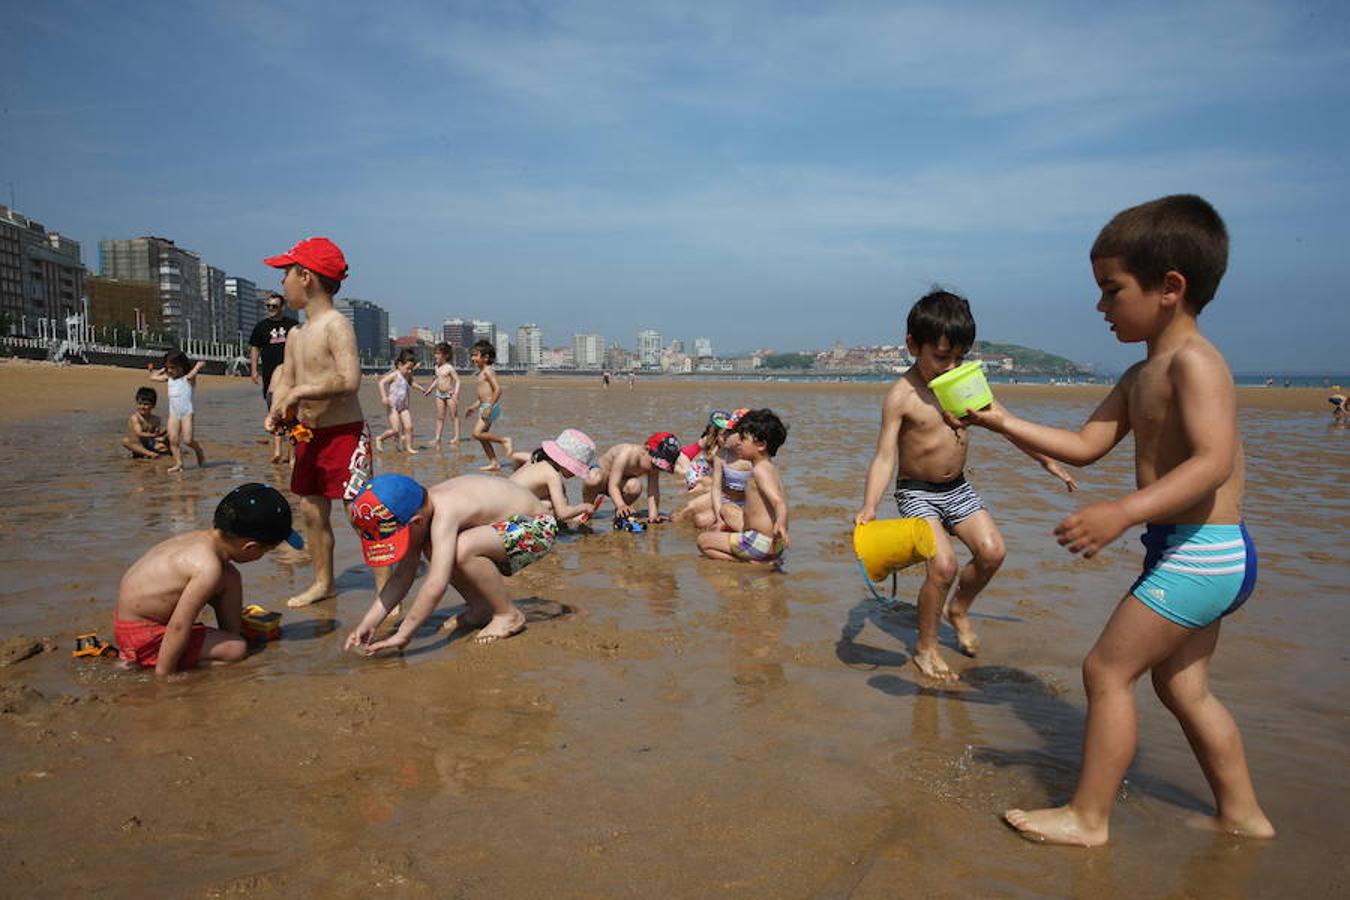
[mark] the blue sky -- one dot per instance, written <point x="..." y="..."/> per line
<point x="767" y="174"/>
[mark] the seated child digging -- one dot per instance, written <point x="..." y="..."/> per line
<point x="155" y="622"/>
<point x="145" y="437"/>
<point x="764" y="538"/>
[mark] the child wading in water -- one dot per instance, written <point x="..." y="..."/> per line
<point x="145" y="434"/>
<point x="928" y="457"/>
<point x="181" y="375"/>
<point x="489" y="405"/>
<point x="1157" y="266"/>
<point x="394" y="395"/>
<point x="446" y="387"/>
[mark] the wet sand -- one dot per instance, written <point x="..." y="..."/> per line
<point x="666" y="726"/>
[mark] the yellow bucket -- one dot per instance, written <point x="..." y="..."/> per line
<point x="962" y="389"/>
<point x="884" y="545"/>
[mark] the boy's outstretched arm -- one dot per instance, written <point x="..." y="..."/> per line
<point x="884" y="460"/>
<point x="444" y="544"/>
<point x="1203" y="395"/>
<point x="1108" y="424"/>
<point x="395" y="589"/>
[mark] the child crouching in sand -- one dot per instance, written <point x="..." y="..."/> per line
<point x="476" y="531"/>
<point x="145" y="436"/>
<point x="1158" y="265"/>
<point x="755" y="439"/>
<point x="543" y="471"/>
<point x="155" y="622"/>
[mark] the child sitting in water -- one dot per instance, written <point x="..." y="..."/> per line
<point x="446" y="386"/>
<point x="573" y="453"/>
<point x="155" y="622"/>
<point x="763" y="538"/>
<point x="145" y="434"/>
<point x="394" y="395"/>
<point x="181" y="375"/>
<point x="622" y="468"/>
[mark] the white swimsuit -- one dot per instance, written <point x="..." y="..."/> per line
<point x="180" y="397"/>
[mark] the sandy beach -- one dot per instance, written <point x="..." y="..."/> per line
<point x="666" y="726"/>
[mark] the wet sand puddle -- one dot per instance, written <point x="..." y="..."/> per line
<point x="665" y="725"/>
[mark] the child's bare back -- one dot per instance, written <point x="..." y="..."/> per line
<point x="151" y="589"/>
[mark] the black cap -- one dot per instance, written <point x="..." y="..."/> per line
<point x="256" y="512"/>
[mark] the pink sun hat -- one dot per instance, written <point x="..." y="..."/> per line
<point x="573" y="450"/>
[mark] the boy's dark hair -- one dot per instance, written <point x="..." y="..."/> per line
<point x="330" y="287"/>
<point x="540" y="456"/>
<point x="485" y="350"/>
<point x="254" y="512"/>
<point x="941" y="314"/>
<point x="1179" y="233"/>
<point x="763" y="425"/>
<point x="444" y="349"/>
<point x="147" y="395"/>
<point x="177" y="358"/>
<point x="406" y="356"/>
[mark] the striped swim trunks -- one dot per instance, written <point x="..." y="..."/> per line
<point x="951" y="502"/>
<point x="1196" y="574"/>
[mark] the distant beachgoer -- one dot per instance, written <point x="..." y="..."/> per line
<point x="1158" y="265"/>
<point x="318" y="384"/>
<point x="542" y="473"/>
<point x="632" y="380"/>
<point x="155" y="621"/>
<point x="394" y="395"/>
<point x="489" y="404"/>
<point x="145" y="436"/>
<point x="1339" y="411"/>
<point x="763" y="537"/>
<point x="928" y="458"/>
<point x="475" y="530"/>
<point x="622" y="469"/>
<point x="266" y="352"/>
<point x="604" y="378"/>
<point x="181" y="375"/>
<point x="446" y="386"/>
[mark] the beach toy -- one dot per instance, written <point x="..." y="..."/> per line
<point x="629" y="523"/>
<point x="257" y="624"/>
<point x="298" y="432"/>
<point x="89" y="646"/>
<point x="884" y="546"/>
<point x="962" y="389"/>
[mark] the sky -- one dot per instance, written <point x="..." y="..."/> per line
<point x="769" y="175"/>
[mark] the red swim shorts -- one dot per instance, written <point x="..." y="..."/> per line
<point x="336" y="463"/>
<point x="138" y="642"/>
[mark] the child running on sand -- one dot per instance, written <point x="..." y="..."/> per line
<point x="1158" y="265"/>
<point x="573" y="453"/>
<point x="621" y="469"/>
<point x="764" y="538"/>
<point x="475" y="530"/>
<point x="145" y="434"/>
<point x="928" y="457"/>
<point x="181" y="375"/>
<point x="155" y="622"/>
<point x="489" y="405"/>
<point x="446" y="386"/>
<point x="394" y="395"/>
<point x="318" y="384"/>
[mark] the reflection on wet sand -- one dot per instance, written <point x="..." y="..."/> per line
<point x="666" y="722"/>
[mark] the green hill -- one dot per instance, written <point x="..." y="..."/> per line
<point x="1026" y="359"/>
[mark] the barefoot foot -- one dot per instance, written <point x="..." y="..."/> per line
<point x="463" y="622"/>
<point x="502" y="626"/>
<point x="174" y="468"/>
<point x="379" y="444"/>
<point x="966" y="638"/>
<point x="276" y="458"/>
<point x="490" y="467"/>
<point x="314" y="594"/>
<point x="508" y="446"/>
<point x="1253" y="826"/>
<point x="1059" y="825"/>
<point x="931" y="663"/>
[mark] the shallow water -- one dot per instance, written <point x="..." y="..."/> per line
<point x="666" y="725"/>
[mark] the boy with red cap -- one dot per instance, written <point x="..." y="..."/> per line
<point x="474" y="530"/>
<point x="317" y="385"/>
<point x="621" y="468"/>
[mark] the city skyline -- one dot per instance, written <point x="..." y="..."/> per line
<point x="776" y="175"/>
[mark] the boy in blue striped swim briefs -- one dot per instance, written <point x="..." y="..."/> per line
<point x="1157" y="265"/>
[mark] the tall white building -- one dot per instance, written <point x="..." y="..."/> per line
<point x="529" y="345"/>
<point x="503" y="345"/>
<point x="702" y="347"/>
<point x="246" y="307"/>
<point x="588" y="351"/>
<point x="649" y="348"/>
<point x="484" y="330"/>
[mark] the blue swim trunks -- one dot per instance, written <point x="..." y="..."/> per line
<point x="491" y="415"/>
<point x="1196" y="574"/>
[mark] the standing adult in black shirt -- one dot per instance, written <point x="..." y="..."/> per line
<point x="267" y="350"/>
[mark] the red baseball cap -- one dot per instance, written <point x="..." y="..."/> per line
<point x="318" y="254"/>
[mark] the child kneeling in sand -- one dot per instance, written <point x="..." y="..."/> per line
<point x="622" y="468"/>
<point x="159" y="599"/>
<point x="756" y="439"/>
<point x="475" y="530"/>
